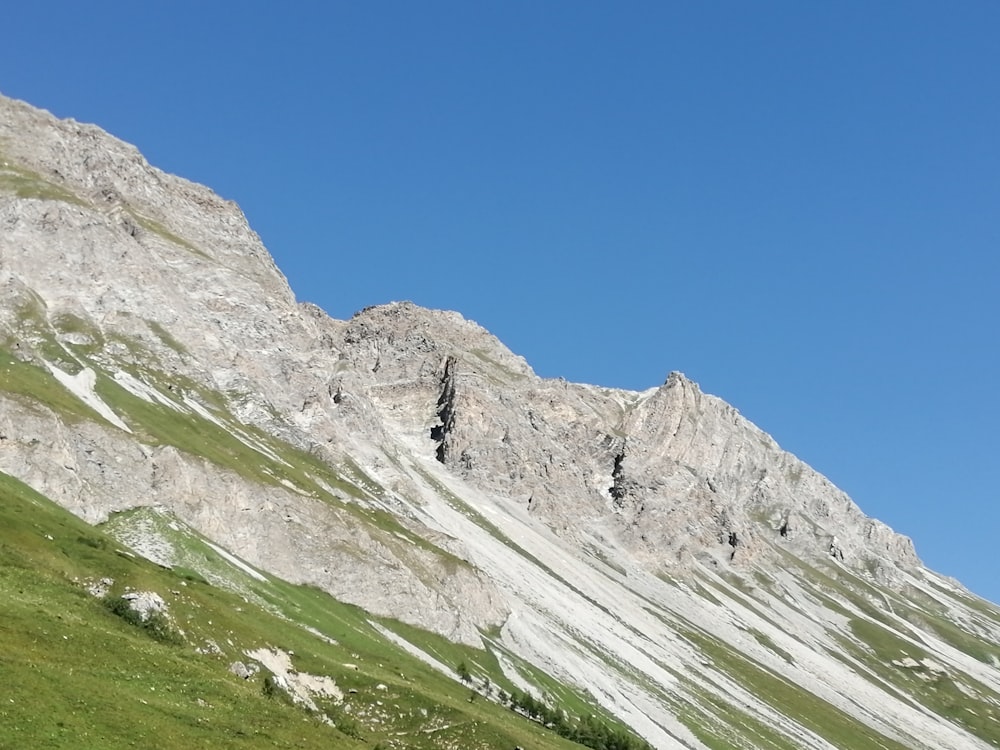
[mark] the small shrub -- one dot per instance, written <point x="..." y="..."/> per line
<point x="93" y="541"/>
<point x="156" y="625"/>
<point x="121" y="607"/>
<point x="159" y="628"/>
<point x="273" y="689"/>
<point x="190" y="575"/>
<point x="346" y="725"/>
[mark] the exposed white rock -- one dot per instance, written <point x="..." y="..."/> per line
<point x="146" y="603"/>
<point x="81" y="385"/>
<point x="100" y="587"/>
<point x="301" y="686"/>
<point x="237" y="562"/>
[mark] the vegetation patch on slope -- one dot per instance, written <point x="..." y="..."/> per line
<point x="25" y="183"/>
<point x="798" y="704"/>
<point x="107" y="680"/>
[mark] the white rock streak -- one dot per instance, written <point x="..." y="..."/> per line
<point x="81" y="385"/>
<point x="233" y="560"/>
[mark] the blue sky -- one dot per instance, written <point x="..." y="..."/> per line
<point x="796" y="204"/>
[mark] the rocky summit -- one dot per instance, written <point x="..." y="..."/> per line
<point x="555" y="564"/>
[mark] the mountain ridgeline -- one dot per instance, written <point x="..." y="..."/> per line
<point x="463" y="554"/>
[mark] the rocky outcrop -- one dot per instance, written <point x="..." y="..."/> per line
<point x="679" y="474"/>
<point x="441" y="433"/>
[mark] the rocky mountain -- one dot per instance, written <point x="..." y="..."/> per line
<point x="649" y="557"/>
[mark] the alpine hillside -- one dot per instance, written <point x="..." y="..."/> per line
<point x="232" y="519"/>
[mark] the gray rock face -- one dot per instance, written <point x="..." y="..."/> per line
<point x="675" y="474"/>
<point x="151" y="354"/>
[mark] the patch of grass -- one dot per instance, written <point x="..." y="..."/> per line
<point x="24" y="183"/>
<point x="723" y="726"/>
<point x="104" y="682"/>
<point x="704" y="593"/>
<point x="35" y="338"/>
<point x="495" y="368"/>
<point x="360" y="480"/>
<point x="979" y="649"/>
<point x="984" y="607"/>
<point x="33" y="384"/>
<point x="151" y="225"/>
<point x="746" y="600"/>
<point x="66" y="322"/>
<point x="122" y="350"/>
<point x="165" y="336"/>
<point x="603" y="558"/>
<point x="885" y="645"/>
<point x="811" y="711"/>
<point x="764" y="640"/>
<point x="189" y="575"/>
<point x="49" y="339"/>
<point x="191" y="433"/>
<point x="840" y="590"/>
<point x="189" y="554"/>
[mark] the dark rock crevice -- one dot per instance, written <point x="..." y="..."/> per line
<point x="445" y="410"/>
<point x="618" y="489"/>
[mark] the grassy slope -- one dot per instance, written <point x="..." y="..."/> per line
<point x="75" y="673"/>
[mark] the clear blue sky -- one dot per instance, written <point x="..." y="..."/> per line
<point x="797" y="204"/>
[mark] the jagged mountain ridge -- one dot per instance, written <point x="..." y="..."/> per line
<point x="621" y="455"/>
<point x="613" y="539"/>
